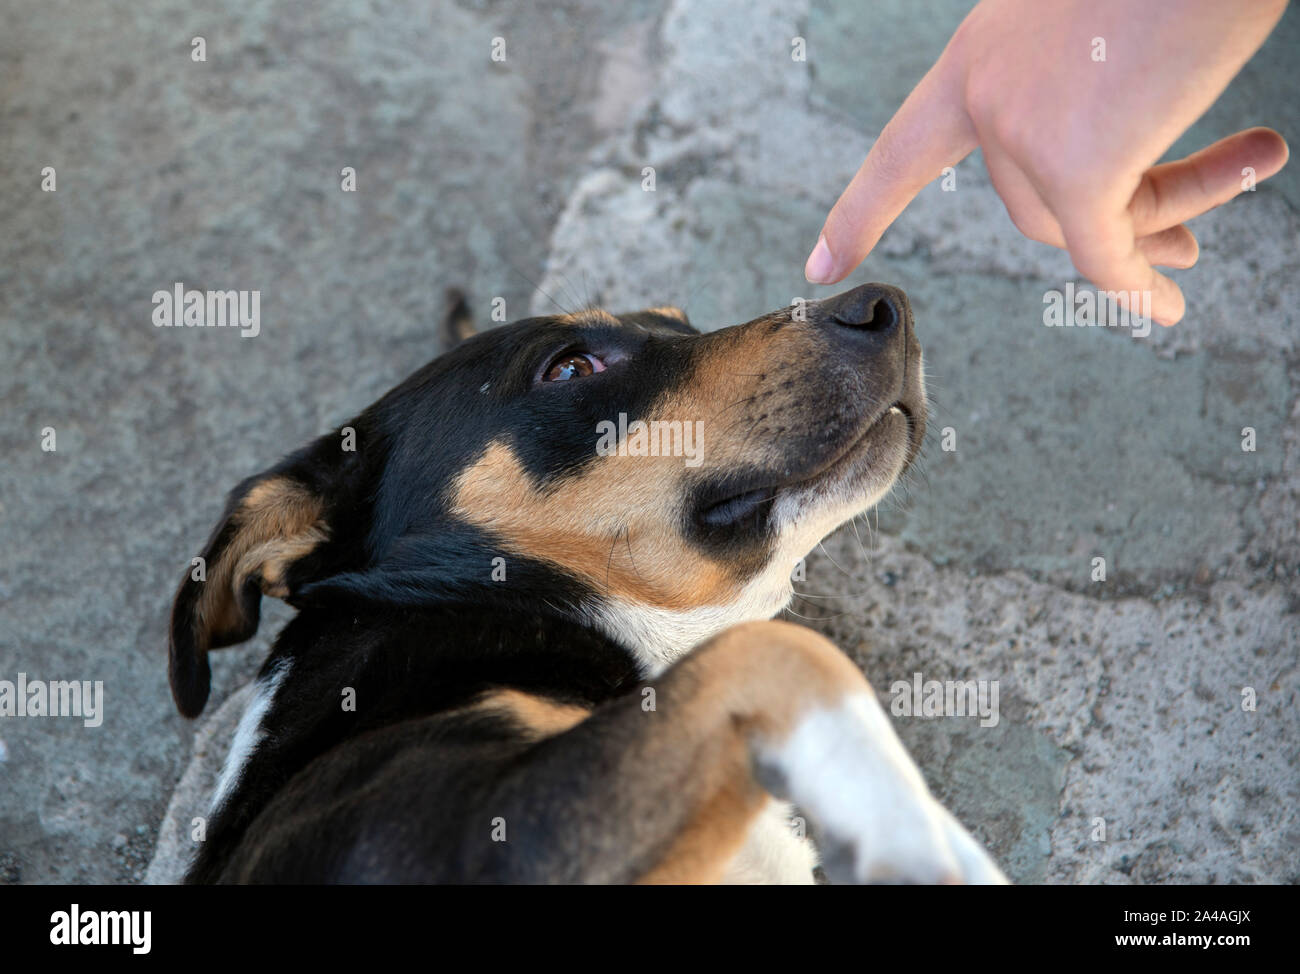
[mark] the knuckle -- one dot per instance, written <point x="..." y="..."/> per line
<point x="1096" y="266"/>
<point x="1147" y="200"/>
<point x="1034" y="226"/>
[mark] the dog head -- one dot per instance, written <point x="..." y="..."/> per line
<point x="632" y="473"/>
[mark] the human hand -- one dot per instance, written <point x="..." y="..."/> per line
<point x="1070" y="142"/>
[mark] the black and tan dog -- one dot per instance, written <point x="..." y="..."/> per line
<point x="534" y="585"/>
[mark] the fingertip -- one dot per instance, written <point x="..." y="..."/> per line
<point x="1268" y="148"/>
<point x="1170" y="306"/>
<point x="820" y="266"/>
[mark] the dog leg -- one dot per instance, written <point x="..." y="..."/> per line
<point x="664" y="787"/>
<point x="825" y="743"/>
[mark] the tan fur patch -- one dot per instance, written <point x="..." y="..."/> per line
<point x="717" y="829"/>
<point x="775" y="672"/>
<point x="612" y="526"/>
<point x="278" y="522"/>
<point x="589" y="317"/>
<point x="669" y="311"/>
<point x="542" y="717"/>
<point x="738" y="390"/>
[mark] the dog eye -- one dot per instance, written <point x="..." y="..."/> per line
<point x="572" y="365"/>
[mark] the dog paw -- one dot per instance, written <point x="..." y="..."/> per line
<point x="877" y="821"/>
<point x="931" y="847"/>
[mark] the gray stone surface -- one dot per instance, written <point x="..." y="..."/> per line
<point x="1120" y="700"/>
<point x="185" y="822"/>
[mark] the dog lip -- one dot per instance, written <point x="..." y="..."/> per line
<point x="913" y="445"/>
<point x="739" y="503"/>
<point x="735" y="506"/>
<point x="898" y="406"/>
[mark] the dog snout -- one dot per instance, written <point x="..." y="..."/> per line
<point x="877" y="309"/>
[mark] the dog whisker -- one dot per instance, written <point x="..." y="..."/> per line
<point x="832" y="560"/>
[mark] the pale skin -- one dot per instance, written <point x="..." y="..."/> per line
<point x="1071" y="143"/>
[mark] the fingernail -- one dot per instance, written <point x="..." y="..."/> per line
<point x="820" y="264"/>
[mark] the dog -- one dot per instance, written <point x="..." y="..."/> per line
<point x="535" y="641"/>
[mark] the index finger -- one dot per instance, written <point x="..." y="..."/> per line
<point x="930" y="131"/>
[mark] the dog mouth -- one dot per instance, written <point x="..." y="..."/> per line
<point x="751" y="505"/>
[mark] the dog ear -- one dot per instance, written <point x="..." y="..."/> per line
<point x="667" y="315"/>
<point x="272" y="523"/>
<point x="457" y="322"/>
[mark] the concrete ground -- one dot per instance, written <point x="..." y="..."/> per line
<point x="1121" y="700"/>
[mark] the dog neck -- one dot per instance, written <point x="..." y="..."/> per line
<point x="658" y="637"/>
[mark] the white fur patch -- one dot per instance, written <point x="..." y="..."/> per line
<point x="878" y="821"/>
<point x="249" y="732"/>
<point x="773" y="853"/>
<point x="659" y="636"/>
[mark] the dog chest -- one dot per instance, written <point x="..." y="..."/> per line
<point x="774" y="851"/>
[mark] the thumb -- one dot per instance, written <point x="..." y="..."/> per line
<point x="930" y="131"/>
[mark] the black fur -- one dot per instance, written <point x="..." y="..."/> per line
<point x="408" y="669"/>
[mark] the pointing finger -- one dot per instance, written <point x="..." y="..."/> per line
<point x="930" y="131"/>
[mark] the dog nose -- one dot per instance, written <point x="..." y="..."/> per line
<point x="877" y="308"/>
